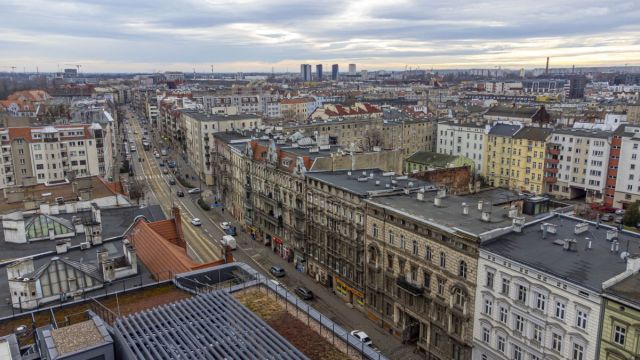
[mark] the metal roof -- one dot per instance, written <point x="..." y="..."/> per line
<point x="207" y="326"/>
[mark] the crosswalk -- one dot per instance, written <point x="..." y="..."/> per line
<point x="149" y="177"/>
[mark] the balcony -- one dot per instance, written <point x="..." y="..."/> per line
<point x="553" y="151"/>
<point x="411" y="288"/>
<point x="553" y="170"/>
<point x="50" y="139"/>
<point x="550" y="179"/>
<point x="551" y="160"/>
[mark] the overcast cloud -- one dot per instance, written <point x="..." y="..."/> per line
<point x="256" y="35"/>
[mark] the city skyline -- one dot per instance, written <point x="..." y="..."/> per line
<point x="254" y="36"/>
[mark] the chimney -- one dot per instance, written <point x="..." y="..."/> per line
<point x="569" y="245"/>
<point x="513" y="212"/>
<point x="61" y="247"/>
<point x="580" y="228"/>
<point x="486" y="215"/>
<point x="465" y="209"/>
<point x="589" y="245"/>
<point x="102" y="255"/>
<point x="518" y="223"/>
<point x="437" y="201"/>
<point x="348" y="173"/>
<point x="177" y="219"/>
<point x="420" y="196"/>
<point x="612" y="234"/>
<point x="480" y="204"/>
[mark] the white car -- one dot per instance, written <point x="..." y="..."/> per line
<point x="156" y="155"/>
<point x="620" y="212"/>
<point x="362" y="336"/>
<point x="225" y="225"/>
<point x="196" y="222"/>
<point x="194" y="191"/>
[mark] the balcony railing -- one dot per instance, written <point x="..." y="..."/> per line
<point x="550" y="179"/>
<point x="413" y="289"/>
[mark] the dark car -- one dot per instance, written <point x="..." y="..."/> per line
<point x="172" y="181"/>
<point x="180" y="193"/>
<point x="304" y="293"/>
<point x="277" y="271"/>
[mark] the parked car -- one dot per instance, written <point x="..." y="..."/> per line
<point x="196" y="222"/>
<point x="172" y="164"/>
<point x="304" y="293"/>
<point x="172" y="181"/>
<point x="194" y="191"/>
<point x="225" y="225"/>
<point x="165" y="171"/>
<point x="277" y="271"/>
<point x="180" y="193"/>
<point x="620" y="212"/>
<point x="157" y="155"/>
<point x="362" y="336"/>
<point x="606" y="217"/>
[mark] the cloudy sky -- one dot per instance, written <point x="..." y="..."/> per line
<point x="256" y="35"/>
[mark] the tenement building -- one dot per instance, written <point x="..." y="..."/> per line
<point x="336" y="225"/>
<point x="539" y="291"/>
<point x="421" y="258"/>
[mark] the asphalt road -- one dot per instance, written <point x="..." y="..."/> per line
<point x="203" y="243"/>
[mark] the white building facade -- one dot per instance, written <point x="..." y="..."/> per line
<point x="463" y="140"/>
<point x="628" y="177"/>
<point x="525" y="314"/>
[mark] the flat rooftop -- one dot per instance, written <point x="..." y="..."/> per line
<point x="627" y="289"/>
<point x="449" y="215"/>
<point x="364" y="182"/>
<point x="585" y="267"/>
<point x="79" y="336"/>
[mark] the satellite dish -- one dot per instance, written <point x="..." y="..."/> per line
<point x="624" y="255"/>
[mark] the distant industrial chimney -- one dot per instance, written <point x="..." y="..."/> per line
<point x="546" y="69"/>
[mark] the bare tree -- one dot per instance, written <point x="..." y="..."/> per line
<point x="371" y="139"/>
<point x="136" y="190"/>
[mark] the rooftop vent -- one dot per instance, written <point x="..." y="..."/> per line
<point x="371" y="175"/>
<point x="364" y="173"/>
<point x="377" y="182"/>
<point x="465" y="209"/>
<point x="388" y="173"/>
<point x="518" y="223"/>
<point x="437" y="201"/>
<point x="612" y="234"/>
<point x="570" y="245"/>
<point x="420" y="196"/>
<point x="513" y="212"/>
<point x="548" y="228"/>
<point x="486" y="216"/>
<point x="580" y="228"/>
<point x="363" y="179"/>
<point x="348" y="173"/>
<point x="410" y="184"/>
<point x="480" y="204"/>
<point x="394" y="182"/>
<point x="442" y="193"/>
<point x="387" y="185"/>
<point x="615" y="246"/>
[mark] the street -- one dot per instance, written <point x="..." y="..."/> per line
<point x="203" y="243"/>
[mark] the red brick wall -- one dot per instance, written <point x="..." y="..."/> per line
<point x="456" y="179"/>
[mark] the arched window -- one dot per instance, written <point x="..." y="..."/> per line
<point x="462" y="269"/>
<point x="427" y="253"/>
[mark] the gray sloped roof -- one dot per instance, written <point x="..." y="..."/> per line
<point x="207" y="326"/>
<point x="432" y="158"/>
<point x="85" y="268"/>
<point x="504" y="130"/>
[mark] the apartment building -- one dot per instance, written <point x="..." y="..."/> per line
<point x="627" y="185"/>
<point x="297" y="108"/>
<point x="334" y="111"/>
<point x="582" y="163"/>
<point x="462" y="139"/>
<point x="516" y="157"/>
<point x="275" y="191"/>
<point x="335" y="238"/>
<point x="524" y="115"/>
<point x="421" y="256"/>
<point x="408" y="134"/>
<point x="52" y="154"/>
<point x="620" y="325"/>
<point x="198" y="129"/>
<point x="531" y="301"/>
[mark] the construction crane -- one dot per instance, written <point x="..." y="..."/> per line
<point x="78" y="66"/>
<point x="13" y="68"/>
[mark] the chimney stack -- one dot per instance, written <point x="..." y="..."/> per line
<point x="465" y="209"/>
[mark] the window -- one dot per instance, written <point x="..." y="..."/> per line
<point x="500" y="343"/>
<point x="578" y="352"/>
<point x="391" y="237"/>
<point x="489" y="282"/>
<point x="556" y="342"/>
<point x="517" y="352"/>
<point x="504" y="314"/>
<point x="375" y="230"/>
<point x="519" y="323"/>
<point x="522" y="293"/>
<point x="428" y="253"/>
<point x="402" y="242"/>
<point x="426" y="277"/>
<point x="581" y="319"/>
<point x="443" y="259"/>
<point x="505" y="286"/>
<point x="537" y="333"/>
<point x="440" y="287"/>
<point x="486" y="335"/>
<point x="541" y="301"/>
<point x="488" y="306"/>
<point x="560" y="309"/>
<point x="619" y="334"/>
<point x="414" y="249"/>
<point x="462" y="269"/>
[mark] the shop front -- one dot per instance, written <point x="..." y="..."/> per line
<point x="317" y="272"/>
<point x="347" y="293"/>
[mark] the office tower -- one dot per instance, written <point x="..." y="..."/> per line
<point x="319" y="72"/>
<point x="305" y="72"/>
<point x="352" y="69"/>
<point x="334" y="72"/>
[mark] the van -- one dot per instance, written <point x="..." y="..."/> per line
<point x="230" y="241"/>
<point x="163" y="152"/>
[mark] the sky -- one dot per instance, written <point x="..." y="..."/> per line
<point x="261" y="35"/>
